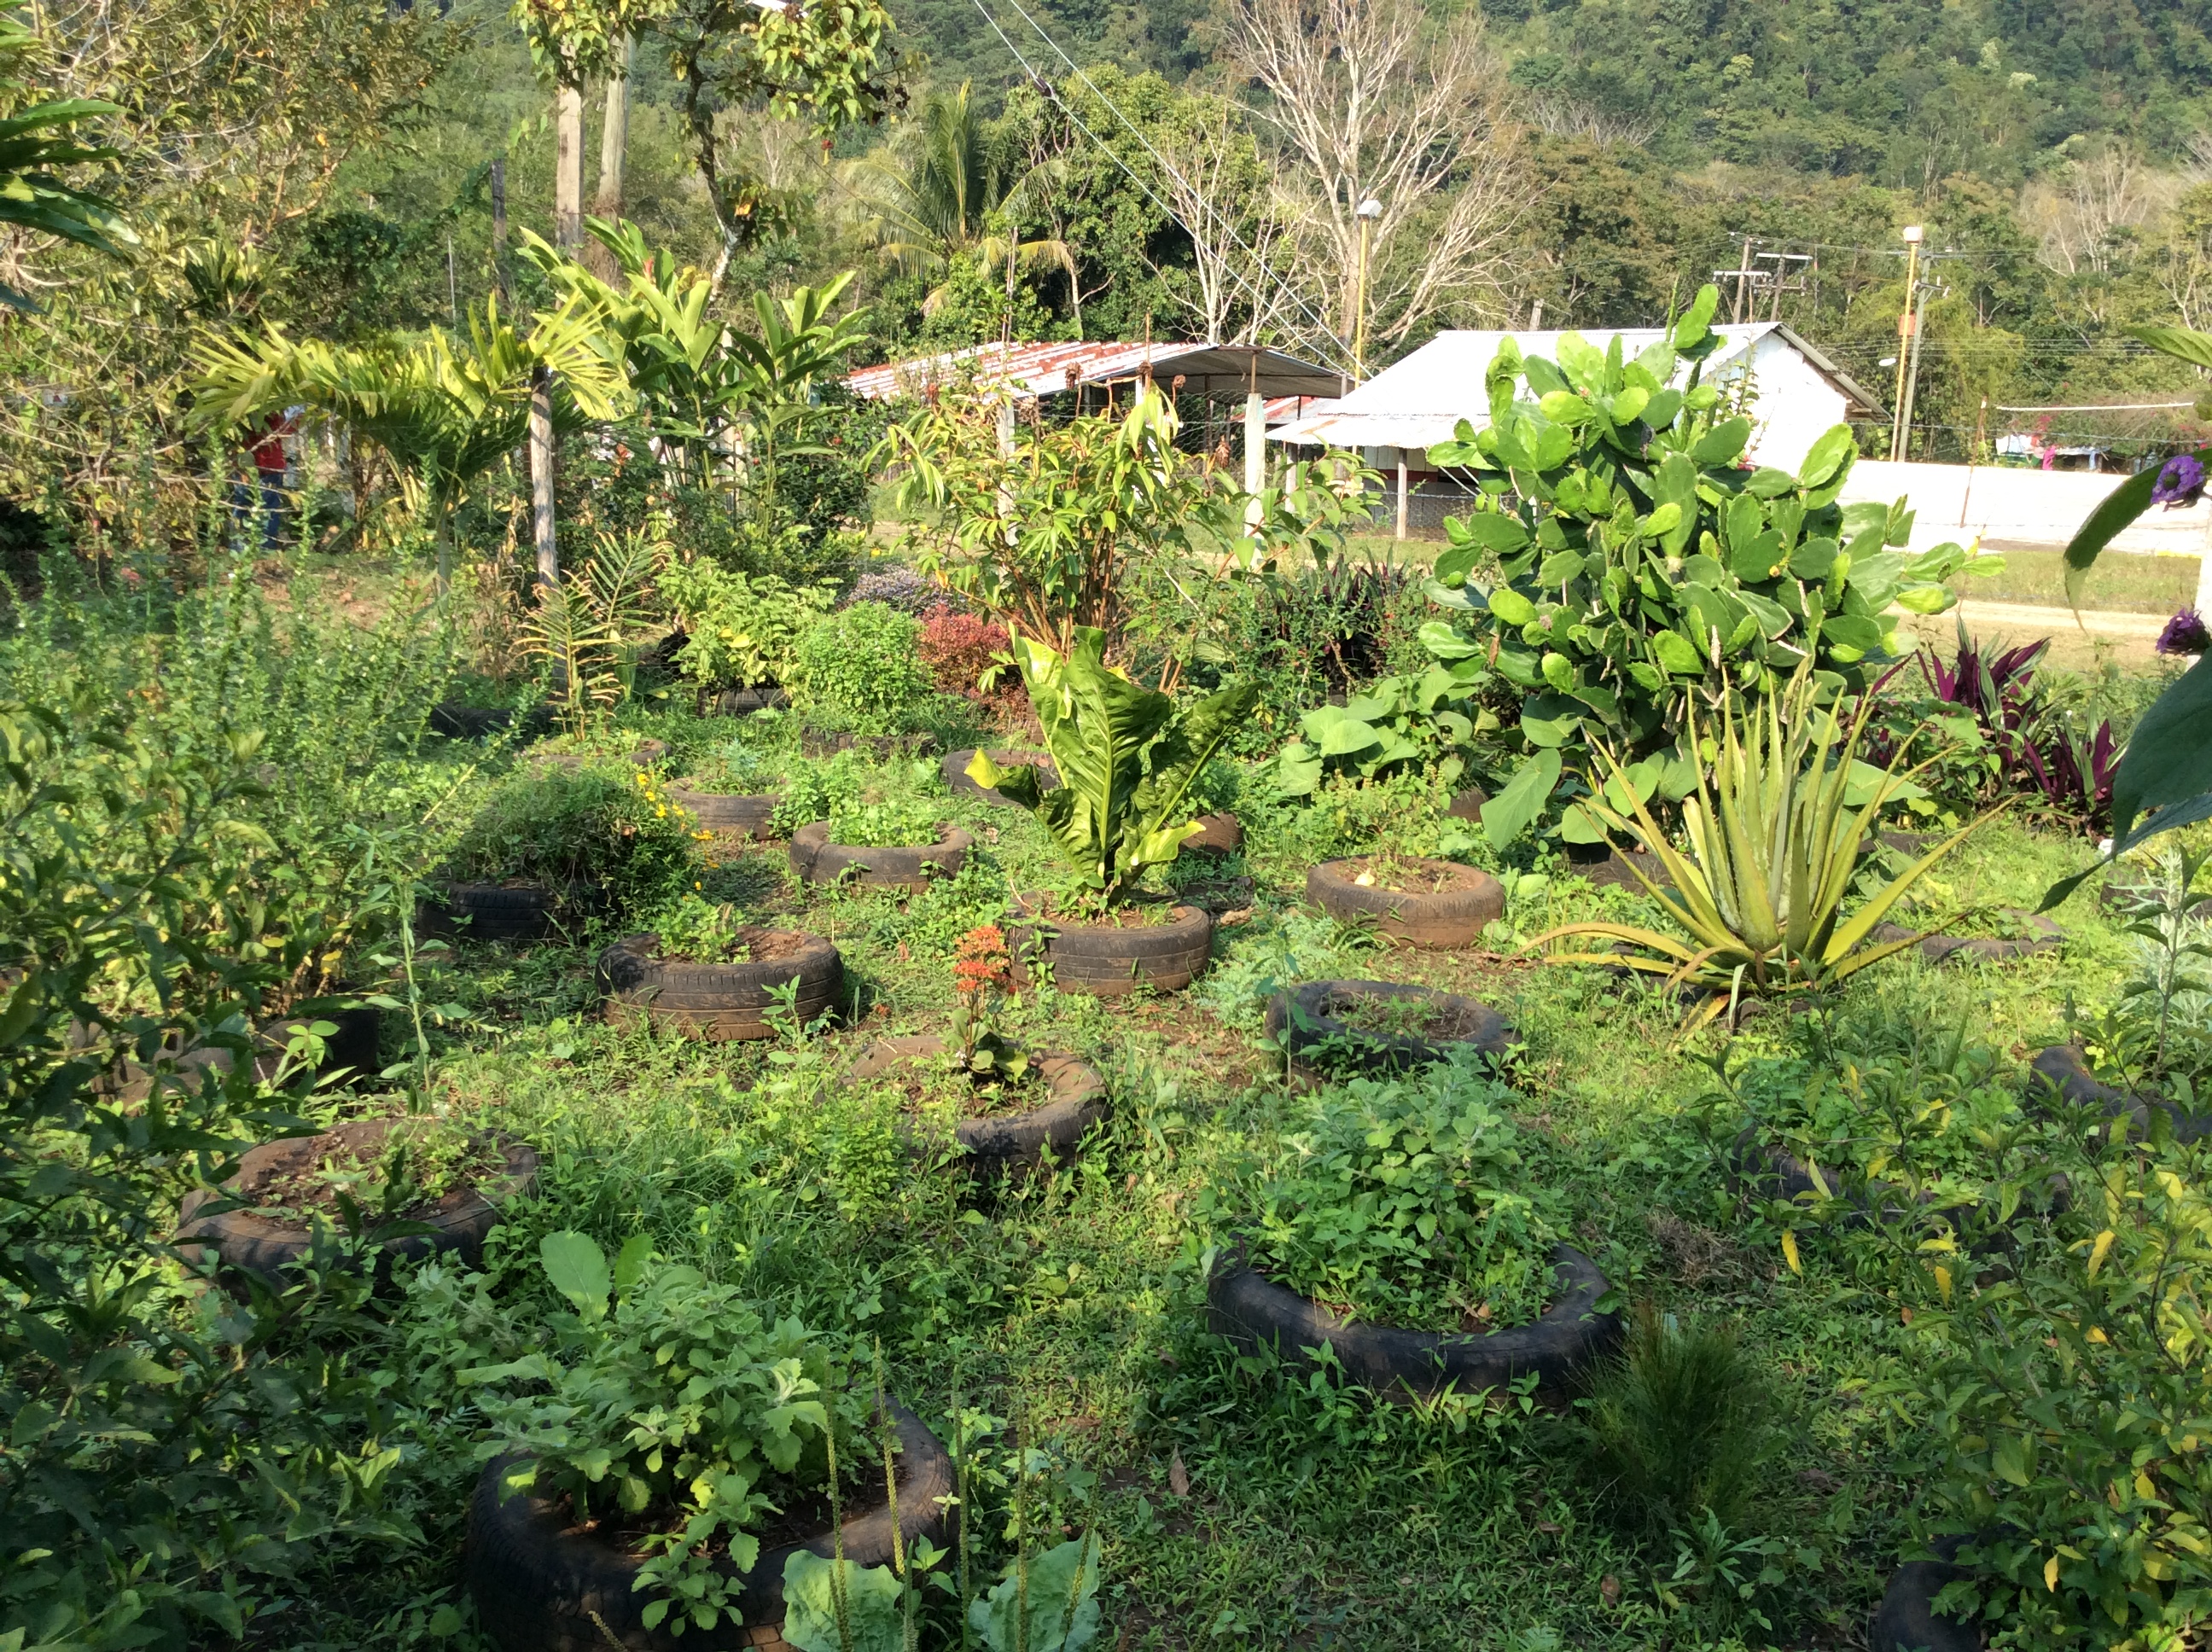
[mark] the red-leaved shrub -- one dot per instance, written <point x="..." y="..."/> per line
<point x="958" y="648"/>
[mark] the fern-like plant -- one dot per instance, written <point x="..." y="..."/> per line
<point x="583" y="627"/>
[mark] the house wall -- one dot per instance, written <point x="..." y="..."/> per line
<point x="1795" y="406"/>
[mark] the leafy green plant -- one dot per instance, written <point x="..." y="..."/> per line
<point x="741" y="630"/>
<point x="2157" y="1032"/>
<point x="2068" y="1393"/>
<point x="582" y="628"/>
<point x="36" y="144"/>
<point x="1774" y="840"/>
<point x="1677" y="1426"/>
<point x="677" y="1404"/>
<point x="861" y="665"/>
<point x="1642" y="572"/>
<point x="701" y="931"/>
<point x="1425" y="717"/>
<point x="1405" y="1201"/>
<point x="597" y="827"/>
<point x="867" y="805"/>
<point x="1078" y="521"/>
<point x="1126" y="757"/>
<point x="443" y="412"/>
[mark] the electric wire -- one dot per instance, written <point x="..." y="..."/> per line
<point x="1324" y="330"/>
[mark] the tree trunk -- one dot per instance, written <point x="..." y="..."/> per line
<point x="445" y="546"/>
<point x="614" y="148"/>
<point x="541" y="476"/>
<point x="569" y="167"/>
<point x="499" y="281"/>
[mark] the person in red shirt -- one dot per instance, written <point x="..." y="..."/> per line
<point x="269" y="466"/>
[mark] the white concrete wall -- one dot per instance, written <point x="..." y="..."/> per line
<point x="1964" y="502"/>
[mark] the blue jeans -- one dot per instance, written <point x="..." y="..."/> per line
<point x="272" y="503"/>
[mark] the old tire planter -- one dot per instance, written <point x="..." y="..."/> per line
<point x="742" y="703"/>
<point x="491" y="912"/>
<point x="1978" y="949"/>
<point x="355" y="1048"/>
<point x="542" y="1586"/>
<point x="262" y="1248"/>
<point x="1107" y="960"/>
<point x="954" y="768"/>
<point x="827" y="742"/>
<point x="1015" y="1141"/>
<point x="1906" y="1620"/>
<point x="736" y="818"/>
<point x="1221" y="833"/>
<point x="1449" y="918"/>
<point x="818" y="860"/>
<point x="2063" y="1068"/>
<point x="721" y="1003"/>
<point x="1304" y="1020"/>
<point x="1255" y="1313"/>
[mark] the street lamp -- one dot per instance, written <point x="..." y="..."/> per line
<point x="1368" y="211"/>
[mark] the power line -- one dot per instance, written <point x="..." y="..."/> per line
<point x="1161" y="159"/>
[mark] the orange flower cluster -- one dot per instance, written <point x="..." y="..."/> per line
<point x="981" y="961"/>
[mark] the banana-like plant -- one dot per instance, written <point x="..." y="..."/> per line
<point x="37" y="143"/>
<point x="1126" y="759"/>
<point x="443" y="412"/>
<point x="1774" y="841"/>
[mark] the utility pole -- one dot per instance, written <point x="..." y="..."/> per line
<point x="1905" y="338"/>
<point x="1370" y="210"/>
<point x="1912" y="374"/>
<point x="1743" y="277"/>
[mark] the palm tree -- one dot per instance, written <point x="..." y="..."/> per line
<point x="443" y="411"/>
<point x="930" y="206"/>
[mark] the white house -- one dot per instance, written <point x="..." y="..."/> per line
<point x="1396" y="416"/>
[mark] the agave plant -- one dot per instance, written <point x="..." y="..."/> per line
<point x="1775" y="838"/>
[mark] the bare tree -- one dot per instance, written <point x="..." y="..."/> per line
<point x="1373" y="99"/>
<point x="1562" y="116"/>
<point x="2076" y="213"/>
<point x="1213" y="176"/>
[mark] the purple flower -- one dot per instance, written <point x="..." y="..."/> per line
<point x="2185" y="633"/>
<point x="2179" y="483"/>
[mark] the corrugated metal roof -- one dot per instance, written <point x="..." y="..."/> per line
<point x="1034" y="370"/>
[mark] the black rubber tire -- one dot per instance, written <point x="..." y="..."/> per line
<point x="1301" y="1019"/>
<point x="818" y="860"/>
<point x="2062" y="1067"/>
<point x="488" y="912"/>
<point x="1978" y="949"/>
<point x="1452" y="919"/>
<point x="735" y="819"/>
<point x="538" y="1586"/>
<point x="1221" y="833"/>
<point x="1253" y="1312"/>
<point x="721" y="1003"/>
<point x="954" y="768"/>
<point x="742" y="703"/>
<point x="355" y="1047"/>
<point x="245" y="1244"/>
<point x="459" y="722"/>
<point x="1907" y="1621"/>
<point x="827" y="743"/>
<point x="1015" y="1141"/>
<point x="1107" y="960"/>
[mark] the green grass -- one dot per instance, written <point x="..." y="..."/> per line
<point x="1072" y="1309"/>
<point x="2118" y="584"/>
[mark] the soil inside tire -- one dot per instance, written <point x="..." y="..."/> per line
<point x="760" y="946"/>
<point x="1435" y="1021"/>
<point x="298" y="1182"/>
<point x="1404" y="876"/>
